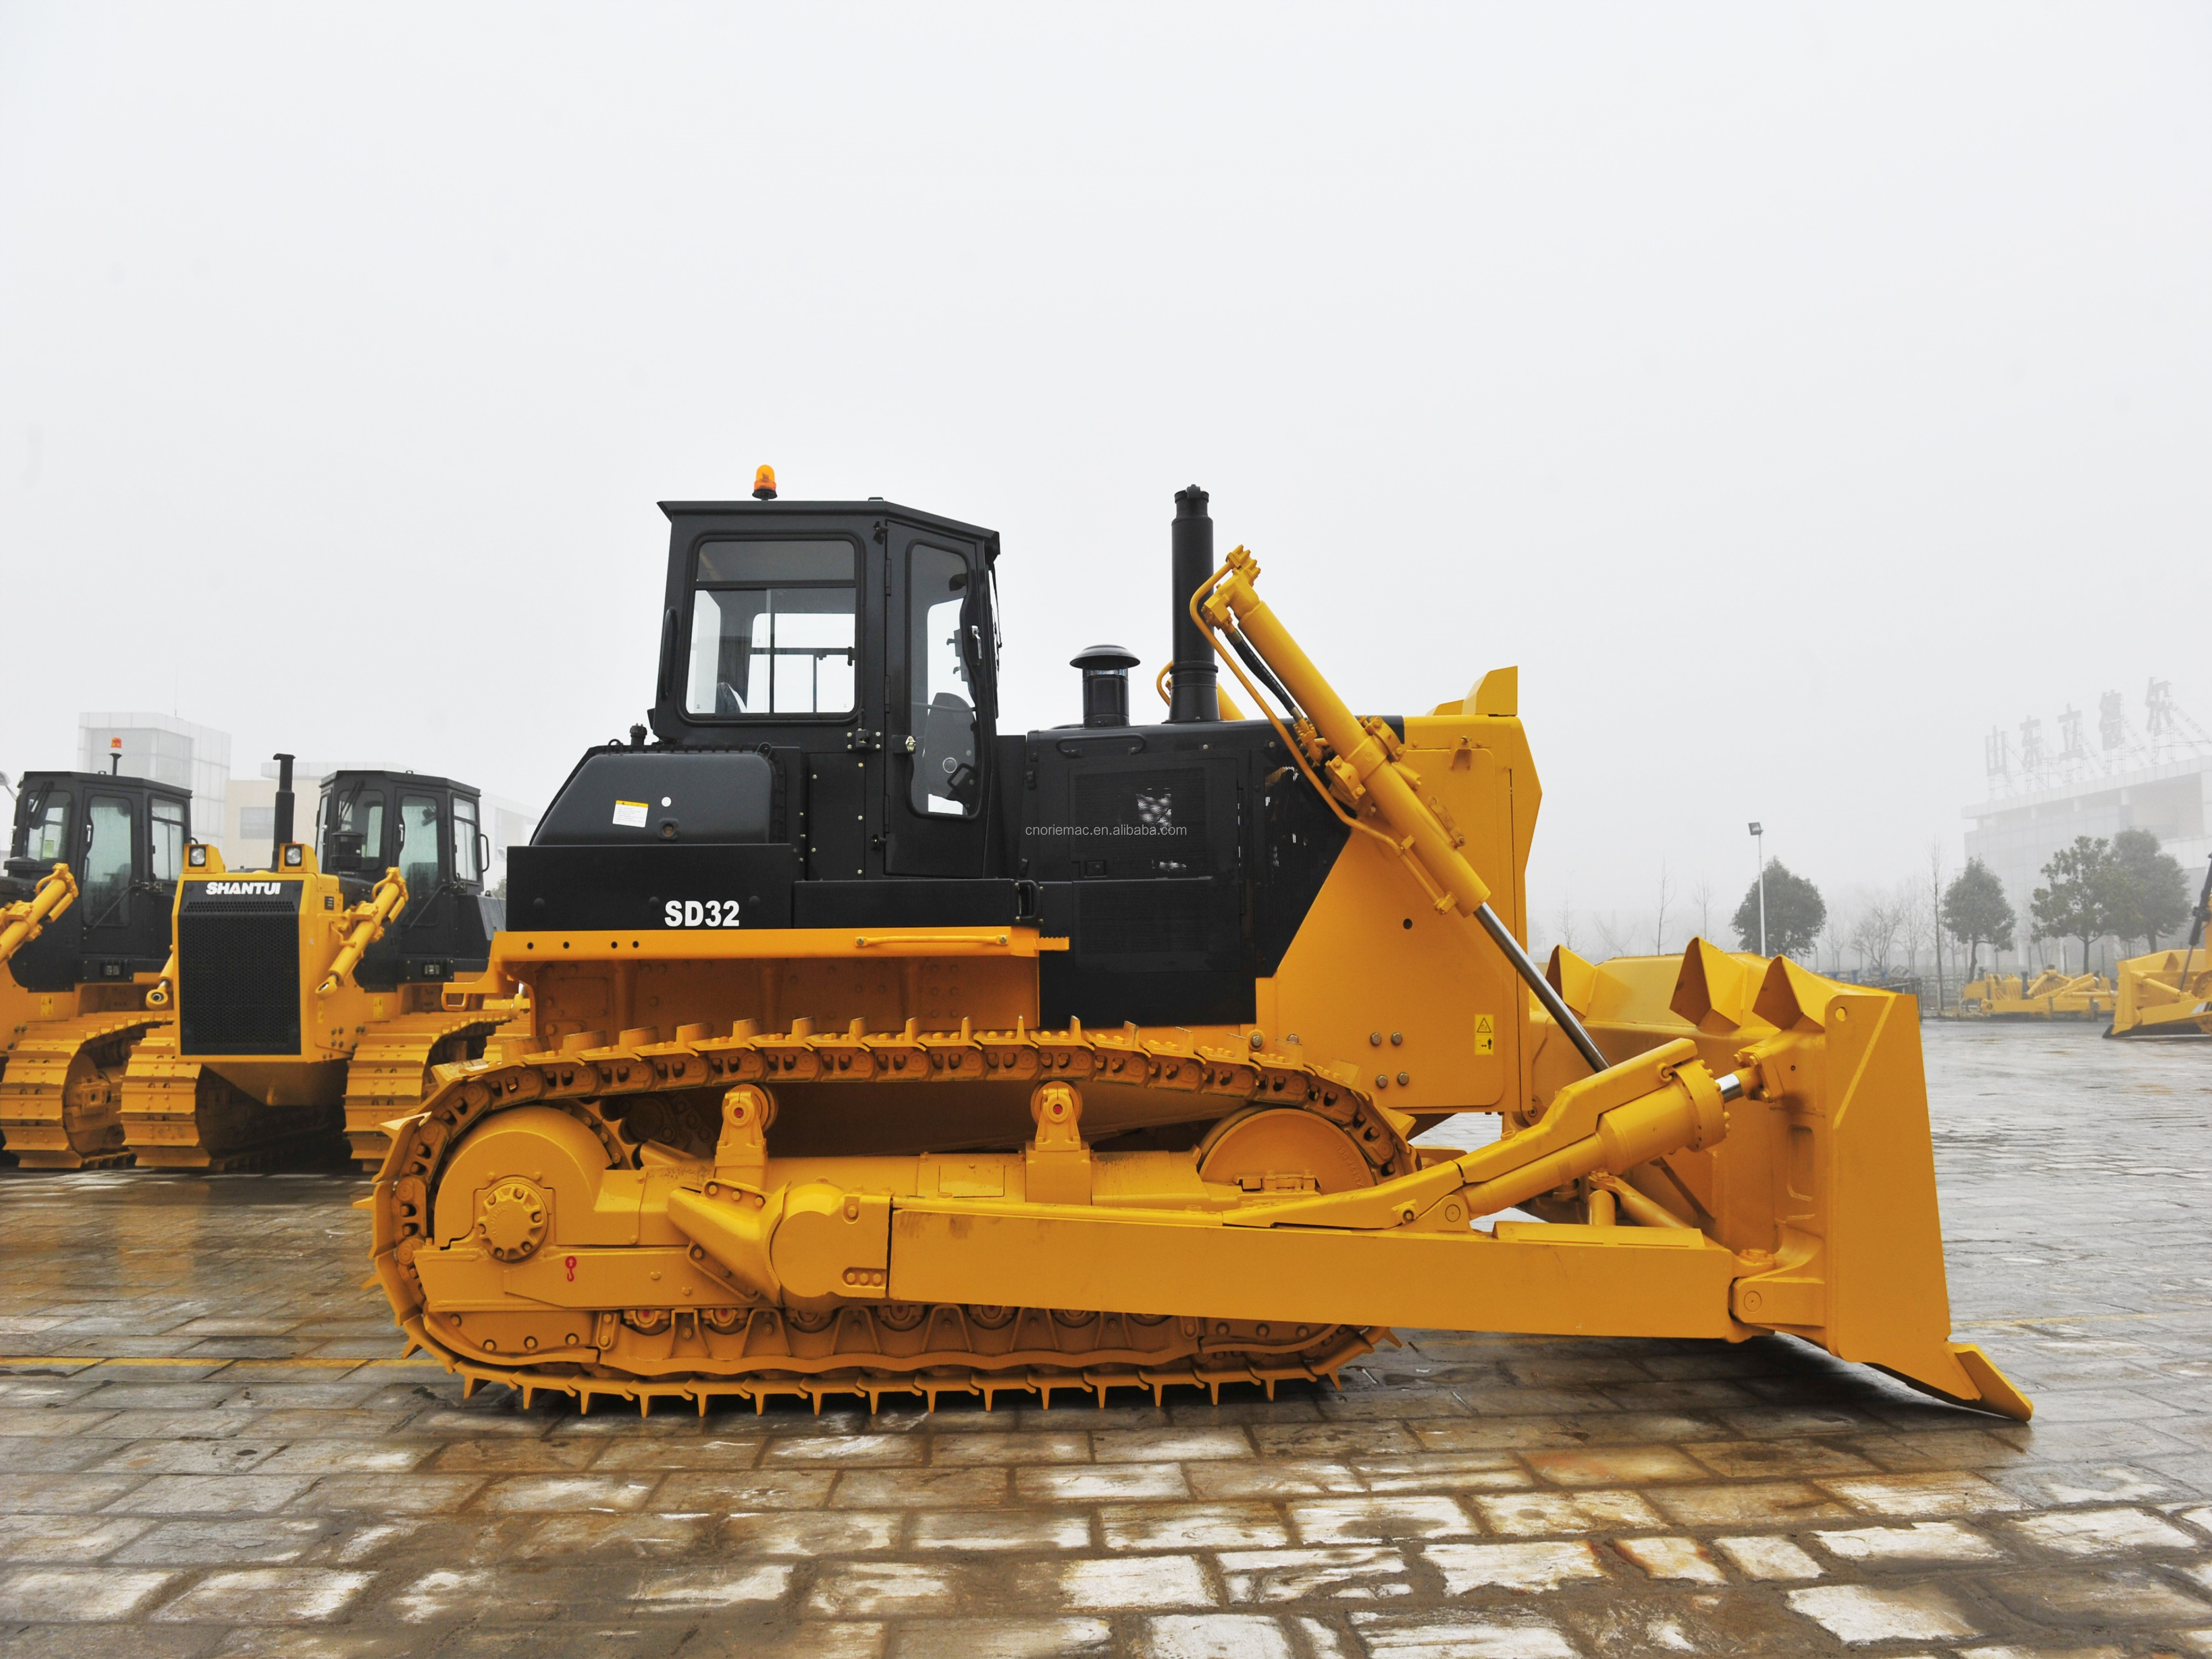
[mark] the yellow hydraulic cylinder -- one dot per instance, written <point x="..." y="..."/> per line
<point x="1688" y="1115"/>
<point x="1658" y="1101"/>
<point x="1367" y="749"/>
<point x="1358" y="743"/>
<point x="22" y="921"/>
<point x="166" y="986"/>
<point x="364" y="926"/>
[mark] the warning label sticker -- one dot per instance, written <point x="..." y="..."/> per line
<point x="630" y="814"/>
<point x="1485" y="1035"/>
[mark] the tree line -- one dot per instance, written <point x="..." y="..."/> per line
<point x="2127" y="888"/>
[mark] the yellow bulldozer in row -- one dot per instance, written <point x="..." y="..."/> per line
<point x="2160" y="994"/>
<point x="876" y="1051"/>
<point x="2052" y="993"/>
<point x="158" y="1009"/>
<point x="2168" y="994"/>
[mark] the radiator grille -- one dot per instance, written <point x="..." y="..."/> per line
<point x="238" y="974"/>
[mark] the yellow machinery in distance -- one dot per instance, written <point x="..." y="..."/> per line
<point x="891" y="1156"/>
<point x="2053" y="994"/>
<point x="2168" y="994"/>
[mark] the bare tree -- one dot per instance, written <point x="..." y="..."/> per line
<point x="1935" y="911"/>
<point x="1914" y="922"/>
<point x="1566" y="927"/>
<point x="1610" y="936"/>
<point x="1702" y="896"/>
<point x="1873" y="936"/>
<point x="1659" y="927"/>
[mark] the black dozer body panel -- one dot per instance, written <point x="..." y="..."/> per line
<point x="119" y="927"/>
<point x="1178" y="860"/>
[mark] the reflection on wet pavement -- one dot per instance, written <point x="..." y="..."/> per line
<point x="205" y="1436"/>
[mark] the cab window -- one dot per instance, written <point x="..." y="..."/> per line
<point x="773" y="628"/>
<point x="418" y="846"/>
<point x="106" y="854"/>
<point x="168" y="849"/>
<point x="44" y="835"/>
<point x="465" y="846"/>
<point x="941" y="699"/>
<point x="357" y="834"/>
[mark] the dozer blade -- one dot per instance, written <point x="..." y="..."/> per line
<point x="1825" y="1187"/>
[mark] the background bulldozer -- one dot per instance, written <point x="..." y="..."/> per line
<point x="878" y="1050"/>
<point x="84" y="930"/>
<point x="2052" y="993"/>
<point x="313" y="997"/>
<point x="2168" y="994"/>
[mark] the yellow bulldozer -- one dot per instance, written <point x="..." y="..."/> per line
<point x="2053" y="994"/>
<point x="879" y="1052"/>
<point x="85" y="897"/>
<point x="310" y="998"/>
<point x="2168" y="994"/>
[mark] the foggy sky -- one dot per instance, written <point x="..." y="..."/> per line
<point x="1792" y="393"/>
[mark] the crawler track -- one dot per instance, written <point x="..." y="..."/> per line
<point x="390" y="1073"/>
<point x="60" y="1090"/>
<point x="177" y="1115"/>
<point x="666" y="1093"/>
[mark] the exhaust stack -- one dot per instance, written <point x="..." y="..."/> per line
<point x="1193" y="692"/>
<point x="283" y="810"/>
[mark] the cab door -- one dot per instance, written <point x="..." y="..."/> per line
<point x="941" y="706"/>
<point x="422" y="822"/>
<point x="111" y="861"/>
<point x="168" y="828"/>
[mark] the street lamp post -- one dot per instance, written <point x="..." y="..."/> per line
<point x="1758" y="840"/>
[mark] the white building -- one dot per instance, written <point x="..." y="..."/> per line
<point x="510" y="823"/>
<point x="2045" y="789"/>
<point x="166" y="750"/>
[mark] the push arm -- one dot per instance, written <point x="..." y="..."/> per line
<point x="23" y="921"/>
<point x="364" y="925"/>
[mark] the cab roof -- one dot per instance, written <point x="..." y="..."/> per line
<point x="784" y="509"/>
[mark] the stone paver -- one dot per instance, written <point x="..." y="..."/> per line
<point x="272" y="1480"/>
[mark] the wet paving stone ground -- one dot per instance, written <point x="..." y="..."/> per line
<point x="207" y="1448"/>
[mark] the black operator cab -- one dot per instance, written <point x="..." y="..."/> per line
<point x="431" y="830"/>
<point x="123" y="840"/>
<point x="826" y="710"/>
<point x="829" y="757"/>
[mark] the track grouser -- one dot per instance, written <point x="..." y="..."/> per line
<point x="877" y="1051"/>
